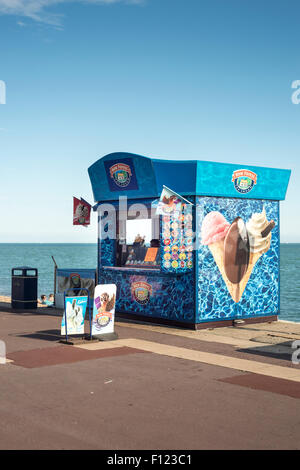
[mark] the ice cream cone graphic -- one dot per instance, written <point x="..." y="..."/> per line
<point x="213" y="233"/>
<point x="236" y="247"/>
<point x="259" y="231"/>
<point x="217" y="250"/>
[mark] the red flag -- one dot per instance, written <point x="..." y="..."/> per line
<point x="81" y="212"/>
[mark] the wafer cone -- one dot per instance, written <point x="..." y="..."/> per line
<point x="217" y="250"/>
<point x="254" y="257"/>
<point x="235" y="290"/>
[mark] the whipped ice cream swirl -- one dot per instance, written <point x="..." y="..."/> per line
<point x="255" y="226"/>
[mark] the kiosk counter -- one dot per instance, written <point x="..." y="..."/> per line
<point x="204" y="259"/>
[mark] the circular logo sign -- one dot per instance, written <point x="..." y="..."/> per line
<point x="244" y="180"/>
<point x="141" y="292"/>
<point x="121" y="174"/>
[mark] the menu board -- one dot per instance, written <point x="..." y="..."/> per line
<point x="141" y="257"/>
<point x="177" y="238"/>
<point x="151" y="255"/>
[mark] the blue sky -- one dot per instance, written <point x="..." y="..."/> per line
<point x="182" y="79"/>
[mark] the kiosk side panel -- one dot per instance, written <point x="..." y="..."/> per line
<point x="257" y="292"/>
<point x="153" y="295"/>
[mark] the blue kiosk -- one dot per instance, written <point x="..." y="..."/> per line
<point x="204" y="257"/>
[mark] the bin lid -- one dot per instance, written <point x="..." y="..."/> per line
<point x="25" y="267"/>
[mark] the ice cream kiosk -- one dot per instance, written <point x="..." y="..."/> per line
<point x="189" y="243"/>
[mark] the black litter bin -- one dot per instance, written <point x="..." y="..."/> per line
<point x="24" y="281"/>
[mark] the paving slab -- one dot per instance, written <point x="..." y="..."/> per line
<point x="245" y="349"/>
<point x="214" y="359"/>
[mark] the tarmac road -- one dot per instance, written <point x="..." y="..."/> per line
<point x="128" y="398"/>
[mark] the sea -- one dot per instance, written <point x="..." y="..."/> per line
<point x="74" y="256"/>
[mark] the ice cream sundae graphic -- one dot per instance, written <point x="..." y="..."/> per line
<point x="81" y="213"/>
<point x="104" y="305"/>
<point x="236" y="247"/>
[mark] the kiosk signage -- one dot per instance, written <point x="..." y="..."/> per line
<point x="121" y="174"/>
<point x="104" y="309"/>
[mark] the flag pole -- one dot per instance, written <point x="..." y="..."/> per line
<point x="55" y="269"/>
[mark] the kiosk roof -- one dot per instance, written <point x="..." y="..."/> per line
<point x="138" y="177"/>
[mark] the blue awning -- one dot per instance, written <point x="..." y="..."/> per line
<point x="138" y="177"/>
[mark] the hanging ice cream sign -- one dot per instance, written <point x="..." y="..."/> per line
<point x="81" y="212"/>
<point x="244" y="180"/>
<point x="170" y="202"/>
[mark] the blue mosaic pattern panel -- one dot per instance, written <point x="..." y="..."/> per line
<point x="107" y="252"/>
<point x="261" y="295"/>
<point x="168" y="297"/>
<point x="106" y="247"/>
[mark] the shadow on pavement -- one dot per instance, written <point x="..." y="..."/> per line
<point x="46" y="335"/>
<point x="281" y="351"/>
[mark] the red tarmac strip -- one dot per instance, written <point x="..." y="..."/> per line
<point x="265" y="383"/>
<point x="64" y="355"/>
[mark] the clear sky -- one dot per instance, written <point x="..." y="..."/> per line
<point x="175" y="79"/>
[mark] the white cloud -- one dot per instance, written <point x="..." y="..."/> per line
<point x="38" y="10"/>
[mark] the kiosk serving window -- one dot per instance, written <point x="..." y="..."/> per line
<point x="138" y="242"/>
<point x="140" y="229"/>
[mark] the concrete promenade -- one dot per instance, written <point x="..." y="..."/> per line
<point x="154" y="388"/>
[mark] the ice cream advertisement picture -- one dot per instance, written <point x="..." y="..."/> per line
<point x="236" y="247"/>
<point x="238" y="251"/>
<point x="170" y="202"/>
<point x="81" y="212"/>
<point x="104" y="309"/>
<point x="75" y="308"/>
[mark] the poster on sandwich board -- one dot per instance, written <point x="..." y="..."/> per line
<point x="75" y="308"/>
<point x="104" y="309"/>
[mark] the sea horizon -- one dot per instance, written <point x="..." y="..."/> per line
<point x="70" y="255"/>
<point x="90" y="243"/>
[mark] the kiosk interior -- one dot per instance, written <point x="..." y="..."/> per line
<point x="210" y="256"/>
